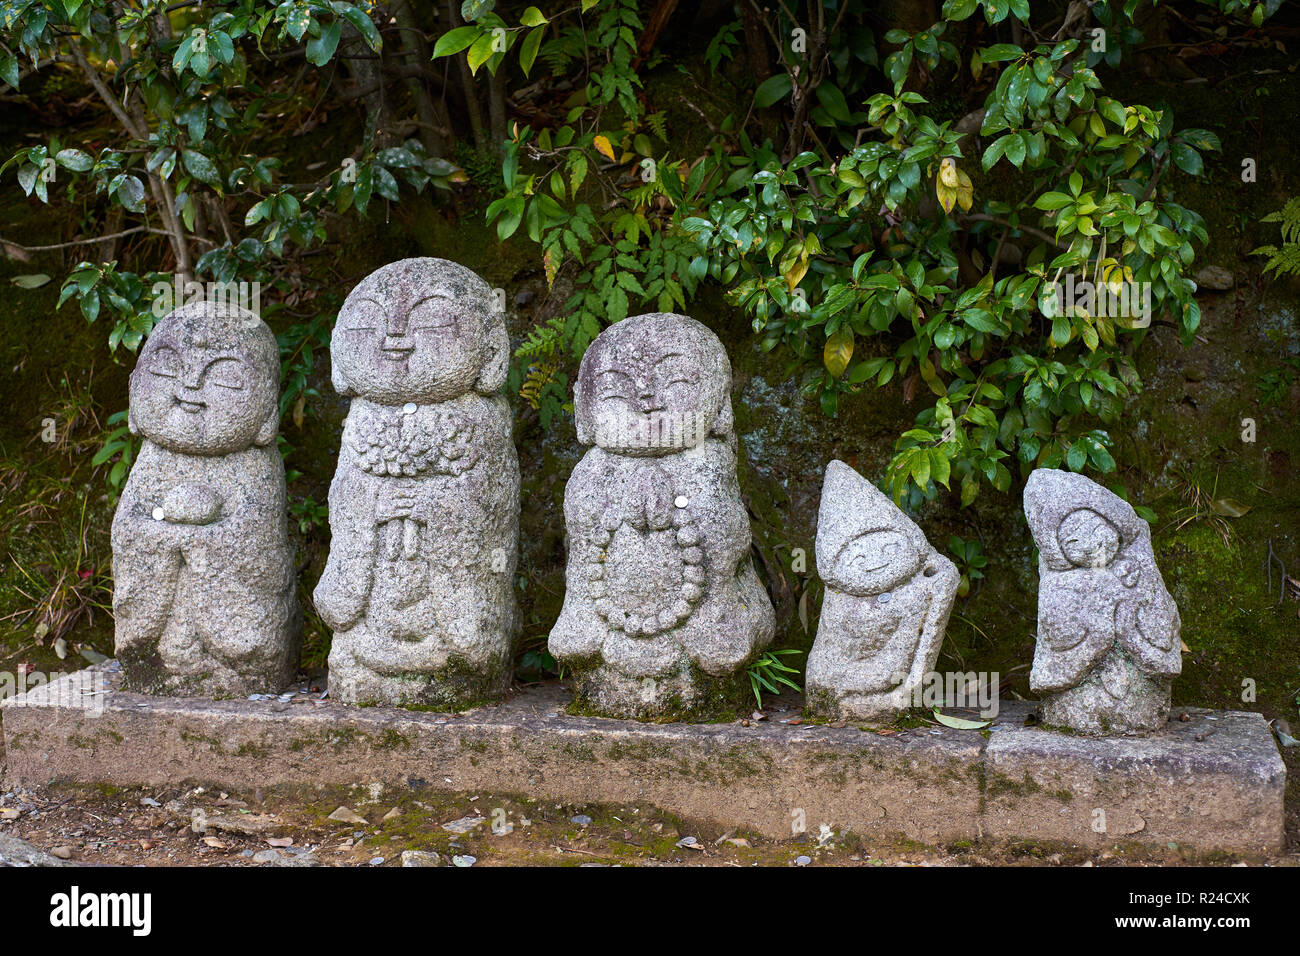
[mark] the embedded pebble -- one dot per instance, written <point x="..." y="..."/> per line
<point x="581" y="820"/>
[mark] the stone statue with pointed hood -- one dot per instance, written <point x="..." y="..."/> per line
<point x="662" y="609"/>
<point x="204" y="595"/>
<point x="424" y="506"/>
<point x="1108" y="631"/>
<point x="888" y="597"/>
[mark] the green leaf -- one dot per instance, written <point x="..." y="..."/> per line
<point x="1052" y="200"/>
<point x="532" y="17"/>
<point x="74" y="159"/>
<point x="453" y="41"/>
<point x="365" y="26"/>
<point x="480" y="52"/>
<point x="528" y="49"/>
<point x="33" y="281"/>
<point x="772" y="90"/>
<point x="201" y="168"/>
<point x="320" y="50"/>
<point x="960" y="723"/>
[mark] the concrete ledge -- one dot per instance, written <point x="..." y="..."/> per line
<point x="1223" y="792"/>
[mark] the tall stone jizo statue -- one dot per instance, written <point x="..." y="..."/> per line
<point x="1108" y="631"/>
<point x="204" y="589"/>
<point x="662" y="607"/>
<point x="888" y="597"/>
<point x="424" y="506"/>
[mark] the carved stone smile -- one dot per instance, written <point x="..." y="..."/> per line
<point x="191" y="407"/>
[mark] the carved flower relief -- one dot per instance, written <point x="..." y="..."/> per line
<point x="412" y="440"/>
<point x="644" y="564"/>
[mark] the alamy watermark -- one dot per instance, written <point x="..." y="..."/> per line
<point x="169" y="296"/>
<point x="82" y="690"/>
<point x="1126" y="301"/>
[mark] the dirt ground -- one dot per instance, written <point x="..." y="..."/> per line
<point x="369" y="827"/>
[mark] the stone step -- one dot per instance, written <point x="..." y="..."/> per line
<point x="1212" y="782"/>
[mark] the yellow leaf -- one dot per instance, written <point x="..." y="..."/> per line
<point x="948" y="172"/>
<point x="551" y="262"/>
<point x="795" y="271"/>
<point x="603" y="146"/>
<point x="965" y="191"/>
<point x="839" y="350"/>
<point x="947" y="195"/>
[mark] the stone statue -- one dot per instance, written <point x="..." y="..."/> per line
<point x="204" y="585"/>
<point x="662" y="609"/>
<point x="1108" y="631"/>
<point x="424" y="506"/>
<point x="888" y="597"/>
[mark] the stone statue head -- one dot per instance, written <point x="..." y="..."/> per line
<point x="1087" y="539"/>
<point x="653" y="384"/>
<point x="207" y="381"/>
<point x="419" y="330"/>
<point x="865" y="544"/>
<point x="1076" y="523"/>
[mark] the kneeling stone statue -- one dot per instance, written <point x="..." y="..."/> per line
<point x="204" y="592"/>
<point x="662" y="608"/>
<point x="1108" y="631"/>
<point x="424" y="506"/>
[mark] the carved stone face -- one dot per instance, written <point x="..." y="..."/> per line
<point x="877" y="561"/>
<point x="1087" y="539"/>
<point x="207" y="382"/>
<point x="652" y="385"/>
<point x="419" y="330"/>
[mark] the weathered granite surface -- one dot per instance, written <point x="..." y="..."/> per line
<point x="424" y="506"/>
<point x="204" y="589"/>
<point x="888" y="597"/>
<point x="1108" y="631"/>
<point x="1214" y="782"/>
<point x="662" y="609"/>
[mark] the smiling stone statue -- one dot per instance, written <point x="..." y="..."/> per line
<point x="662" y="609"/>
<point x="888" y="597"/>
<point x="1109" y="640"/>
<point x="204" y="595"/>
<point x="424" y="506"/>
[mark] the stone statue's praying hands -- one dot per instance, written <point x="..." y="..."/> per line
<point x="424" y="506"/>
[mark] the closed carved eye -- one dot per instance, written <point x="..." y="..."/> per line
<point x="166" y="363"/>
<point x="364" y="317"/>
<point x="433" y="314"/>
<point x="225" y="372"/>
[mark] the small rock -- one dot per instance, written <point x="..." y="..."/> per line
<point x="149" y="802"/>
<point x="738" y="841"/>
<point x="464" y="824"/>
<point x="420" y="858"/>
<point x="62" y="852"/>
<point x="1215" y="277"/>
<point x="267" y="856"/>
<point x="802" y="860"/>
<point x="464" y="860"/>
<point x="581" y="820"/>
<point x="346" y="815"/>
<point x="391" y="814"/>
<point x="10" y="814"/>
<point x="376" y="861"/>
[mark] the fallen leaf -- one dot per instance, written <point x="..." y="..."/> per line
<point x="1228" y="507"/>
<point x="960" y="723"/>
